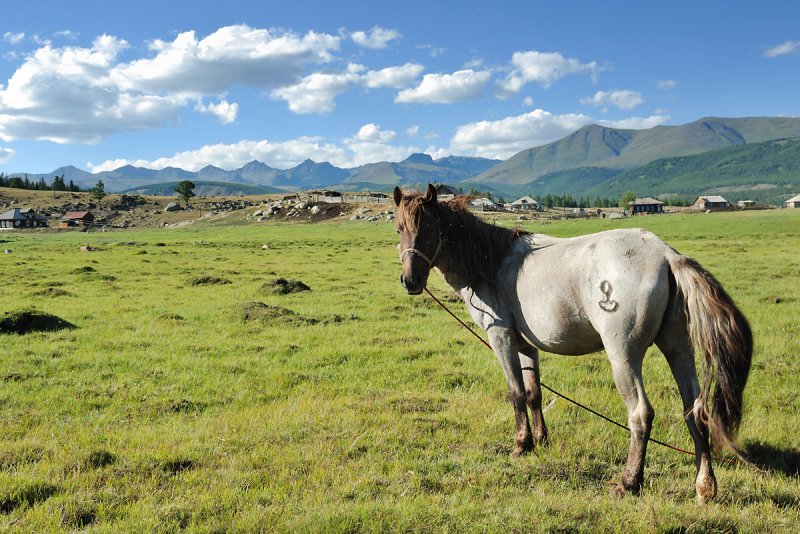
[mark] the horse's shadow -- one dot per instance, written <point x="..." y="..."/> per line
<point x="771" y="458"/>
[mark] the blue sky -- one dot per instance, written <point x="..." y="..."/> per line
<point x="172" y="83"/>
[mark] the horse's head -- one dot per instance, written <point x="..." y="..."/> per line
<point x="417" y="225"/>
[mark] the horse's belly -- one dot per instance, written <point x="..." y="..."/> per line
<point x="558" y="334"/>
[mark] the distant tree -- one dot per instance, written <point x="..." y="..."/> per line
<point x="185" y="190"/>
<point x="72" y="187"/>
<point x="58" y="183"/>
<point x="16" y="182"/>
<point x="626" y="198"/>
<point x="98" y="191"/>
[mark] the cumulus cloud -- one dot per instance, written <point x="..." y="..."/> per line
<point x="636" y="123"/>
<point x="232" y="55"/>
<point x="316" y="92"/>
<point x="789" y="47"/>
<point x="377" y="38"/>
<point x="394" y="77"/>
<point x="503" y="138"/>
<point x="412" y="131"/>
<point x="224" y="110"/>
<point x="84" y="94"/>
<point x="6" y="154"/>
<point x="14" y="38"/>
<point x="446" y="88"/>
<point x="280" y="155"/>
<point x="543" y="68"/>
<point x="373" y="132"/>
<point x="620" y="98"/>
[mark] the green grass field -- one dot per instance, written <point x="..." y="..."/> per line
<point x="176" y="404"/>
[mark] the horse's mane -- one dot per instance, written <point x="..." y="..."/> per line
<point x="471" y="247"/>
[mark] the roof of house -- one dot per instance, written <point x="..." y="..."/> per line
<point x="12" y="215"/>
<point x="646" y="201"/>
<point x="19" y="214"/>
<point x="713" y="198"/>
<point x="795" y="198"/>
<point x="524" y="200"/>
<point x="76" y="214"/>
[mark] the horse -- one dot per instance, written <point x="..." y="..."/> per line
<point x="620" y="290"/>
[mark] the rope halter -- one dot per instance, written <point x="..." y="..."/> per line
<point x="422" y="255"/>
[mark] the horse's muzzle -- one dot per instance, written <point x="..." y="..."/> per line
<point x="413" y="284"/>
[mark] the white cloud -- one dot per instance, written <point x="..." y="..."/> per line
<point x="412" y="131"/>
<point x="789" y="47"/>
<point x="6" y="154"/>
<point x="224" y="110"/>
<point x="67" y="34"/>
<point x="503" y="138"/>
<point x="543" y="68"/>
<point x="666" y="85"/>
<point x="232" y="55"/>
<point x="636" y="123"/>
<point x="446" y="88"/>
<point x="433" y="51"/>
<point x="316" y="92"/>
<point x="282" y="155"/>
<point x="527" y="101"/>
<point x="14" y="38"/>
<point x="82" y="95"/>
<point x="394" y="77"/>
<point x="373" y="132"/>
<point x="377" y="37"/>
<point x="620" y="98"/>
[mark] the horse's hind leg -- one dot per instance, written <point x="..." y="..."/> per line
<point x="529" y="360"/>
<point x="627" y="369"/>
<point x="673" y="340"/>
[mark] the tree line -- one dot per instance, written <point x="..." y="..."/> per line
<point x="18" y="182"/>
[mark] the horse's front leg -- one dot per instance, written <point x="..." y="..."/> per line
<point x="529" y="360"/>
<point x="505" y="349"/>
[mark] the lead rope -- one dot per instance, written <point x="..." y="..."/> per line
<point x="554" y="392"/>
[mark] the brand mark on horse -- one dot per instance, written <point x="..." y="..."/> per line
<point x="607" y="304"/>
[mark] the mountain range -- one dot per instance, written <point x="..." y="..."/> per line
<point x="710" y="153"/>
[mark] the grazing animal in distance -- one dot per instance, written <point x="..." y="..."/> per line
<point x="619" y="290"/>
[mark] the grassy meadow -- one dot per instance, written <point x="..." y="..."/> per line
<point x="190" y="396"/>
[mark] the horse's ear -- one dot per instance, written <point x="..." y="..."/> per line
<point x="430" y="196"/>
<point x="398" y="196"/>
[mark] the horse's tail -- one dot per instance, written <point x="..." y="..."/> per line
<point x="722" y="334"/>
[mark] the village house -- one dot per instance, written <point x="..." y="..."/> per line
<point x="18" y="218"/>
<point x="642" y="206"/>
<point x="77" y="218"/>
<point x="525" y="203"/>
<point x="793" y="202"/>
<point x="714" y="202"/>
<point x="485" y="204"/>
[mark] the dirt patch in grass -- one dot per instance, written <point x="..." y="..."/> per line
<point x="84" y="270"/>
<point x="30" y="320"/>
<point x="272" y="315"/>
<point x="53" y="292"/>
<point x="170" y="317"/>
<point x="100" y="458"/>
<point x="283" y="286"/>
<point x="206" y="280"/>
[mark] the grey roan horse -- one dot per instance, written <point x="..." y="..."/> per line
<point x="621" y="290"/>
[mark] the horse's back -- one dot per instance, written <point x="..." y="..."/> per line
<point x="574" y="295"/>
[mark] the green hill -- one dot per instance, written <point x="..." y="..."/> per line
<point x="618" y="149"/>
<point x="771" y="167"/>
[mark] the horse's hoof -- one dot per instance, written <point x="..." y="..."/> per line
<point x="519" y="451"/>
<point x="706" y="489"/>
